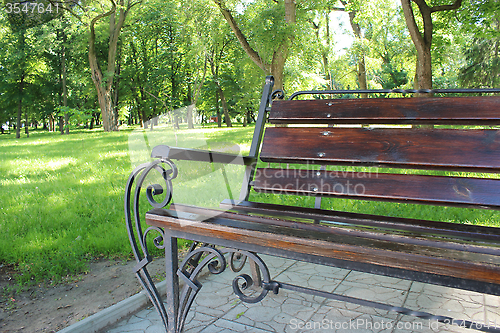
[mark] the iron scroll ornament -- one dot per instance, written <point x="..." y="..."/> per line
<point x="215" y="260"/>
<point x="136" y="235"/>
<point x="205" y="255"/>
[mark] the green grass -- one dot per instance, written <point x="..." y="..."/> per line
<point x="61" y="197"/>
<point x="61" y="201"/>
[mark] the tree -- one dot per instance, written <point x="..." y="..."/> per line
<point x="103" y="81"/>
<point x="482" y="51"/>
<point x="360" y="52"/>
<point x="19" y="69"/>
<point x="387" y="40"/>
<point x="280" y="49"/>
<point x="323" y="42"/>
<point x="22" y="16"/>
<point x="423" y="40"/>
<point x="214" y="58"/>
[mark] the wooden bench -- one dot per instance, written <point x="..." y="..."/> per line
<point x="307" y="160"/>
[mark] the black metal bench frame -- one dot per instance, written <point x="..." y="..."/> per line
<point x="235" y="233"/>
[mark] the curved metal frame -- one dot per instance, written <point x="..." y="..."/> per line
<point x="216" y="263"/>
<point x="197" y="258"/>
<point x="396" y="91"/>
<point x="136" y="236"/>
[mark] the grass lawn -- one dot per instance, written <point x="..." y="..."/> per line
<point x="61" y="197"/>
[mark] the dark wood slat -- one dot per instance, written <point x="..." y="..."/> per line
<point x="358" y="219"/>
<point x="421" y="189"/>
<point x="175" y="153"/>
<point x="389" y="254"/>
<point x="449" y="149"/>
<point x="442" y="110"/>
<point x="448" y="239"/>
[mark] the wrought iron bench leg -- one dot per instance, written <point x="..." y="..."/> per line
<point x="172" y="280"/>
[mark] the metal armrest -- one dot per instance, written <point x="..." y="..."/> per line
<point x="176" y="153"/>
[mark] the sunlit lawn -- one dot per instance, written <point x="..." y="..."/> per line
<point x="61" y="197"/>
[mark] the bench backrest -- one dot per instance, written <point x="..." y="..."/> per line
<point x="312" y="139"/>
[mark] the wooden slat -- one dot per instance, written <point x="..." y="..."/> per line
<point x="389" y="254"/>
<point x="175" y="153"/>
<point x="450" y="149"/>
<point x="422" y="189"/>
<point x="448" y="236"/>
<point x="457" y="230"/>
<point x="442" y="110"/>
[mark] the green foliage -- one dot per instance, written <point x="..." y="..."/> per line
<point x="483" y="64"/>
<point x="391" y="78"/>
<point x="482" y="25"/>
<point x="76" y="116"/>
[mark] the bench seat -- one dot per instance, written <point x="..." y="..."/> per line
<point x="431" y="251"/>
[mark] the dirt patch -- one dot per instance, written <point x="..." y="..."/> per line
<point x="50" y="309"/>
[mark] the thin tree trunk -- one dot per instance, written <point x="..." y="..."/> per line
<point x="217" y="109"/>
<point x="361" y="72"/>
<point x="189" y="108"/>
<point x="26" y="124"/>
<point x="64" y="86"/>
<point x="19" y="107"/>
<point x="116" y="95"/>
<point x="224" y="105"/>
<point x="22" y="45"/>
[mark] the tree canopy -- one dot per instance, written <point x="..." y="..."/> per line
<point x="110" y="62"/>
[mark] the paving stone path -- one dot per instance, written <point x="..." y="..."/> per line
<point x="217" y="309"/>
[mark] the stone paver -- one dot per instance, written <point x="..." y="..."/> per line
<point x="217" y="309"/>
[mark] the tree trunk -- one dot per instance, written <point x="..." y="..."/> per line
<point x="189" y="109"/>
<point x="424" y="70"/>
<point x="423" y="41"/>
<point x="19" y="107"/>
<point x="116" y="95"/>
<point x="63" y="77"/>
<point x="224" y="105"/>
<point x="278" y="66"/>
<point x="104" y="84"/>
<point x="103" y="94"/>
<point x="22" y="45"/>
<point x="361" y="71"/>
<point x="26" y="124"/>
<point x="362" y="75"/>
<point x="326" y="51"/>
<point x="65" y="89"/>
<point x="51" y="123"/>
<point x="217" y="108"/>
